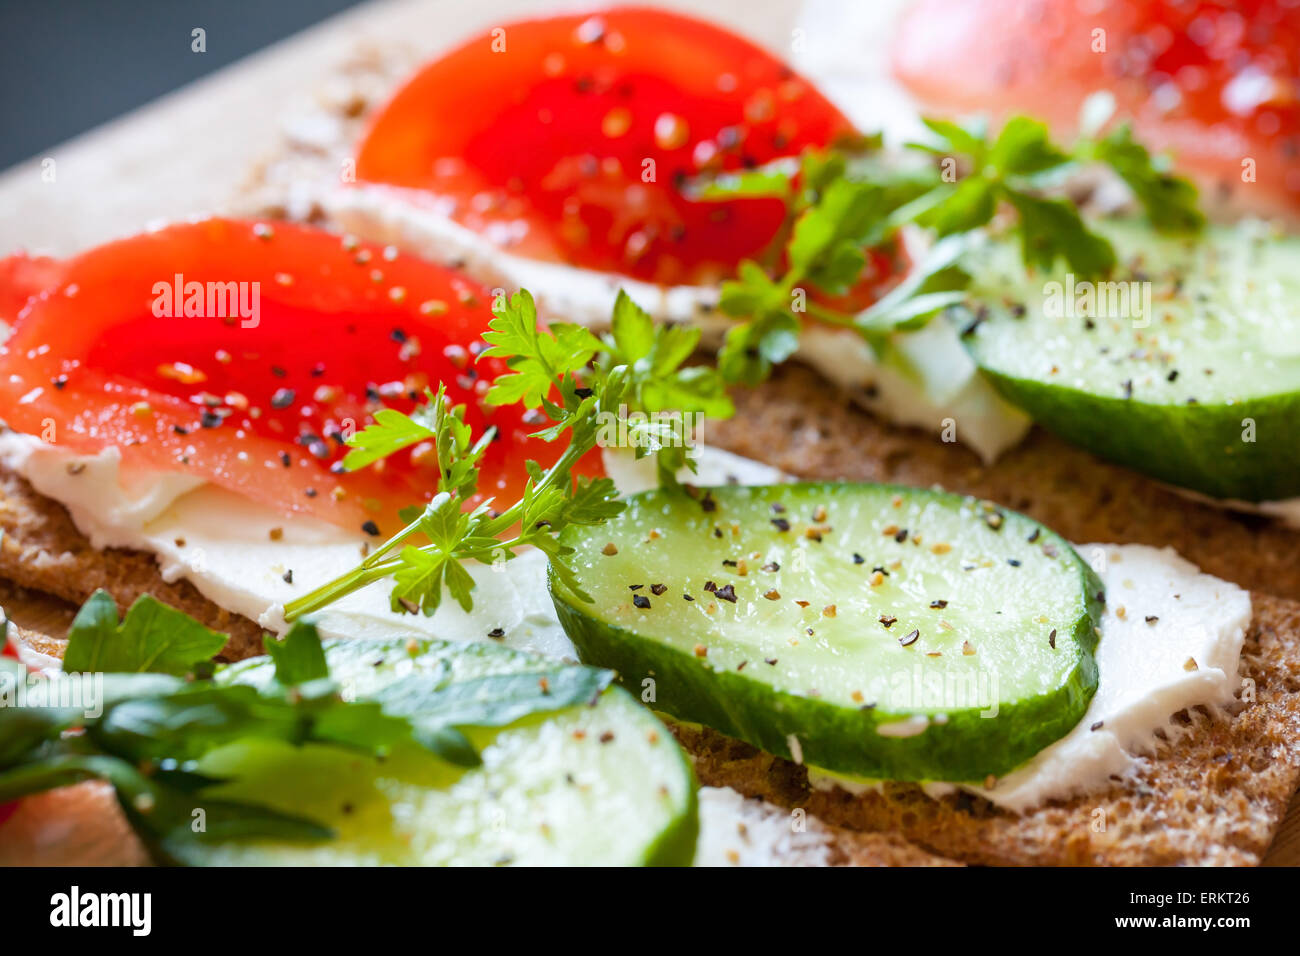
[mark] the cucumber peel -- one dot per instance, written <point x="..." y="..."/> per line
<point x="603" y="784"/>
<point x="872" y="630"/>
<point x="1186" y="367"/>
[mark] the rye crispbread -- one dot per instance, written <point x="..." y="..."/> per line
<point x="1215" y="793"/>
<point x="802" y="426"/>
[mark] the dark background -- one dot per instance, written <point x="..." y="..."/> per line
<point x="69" y="65"/>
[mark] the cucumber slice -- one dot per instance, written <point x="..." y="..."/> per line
<point x="588" y="785"/>
<point x="842" y="594"/>
<point x="1206" y="396"/>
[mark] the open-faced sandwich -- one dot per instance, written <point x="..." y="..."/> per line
<point x="507" y="472"/>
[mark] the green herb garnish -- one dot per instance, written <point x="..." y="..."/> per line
<point x="839" y="206"/>
<point x="637" y="367"/>
<point x="147" y="729"/>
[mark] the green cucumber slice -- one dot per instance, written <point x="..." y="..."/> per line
<point x="1206" y="396"/>
<point x="601" y="785"/>
<point x="1014" y="640"/>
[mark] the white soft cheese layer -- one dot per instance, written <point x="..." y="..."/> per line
<point x="1170" y="640"/>
<point x="946" y="394"/>
<point x="735" y="831"/>
<point x="221" y="542"/>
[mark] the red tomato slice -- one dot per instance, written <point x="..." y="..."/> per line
<point x="258" y="399"/>
<point x="22" y="277"/>
<point x="570" y="138"/>
<point x="8" y="809"/>
<point x="1215" y="83"/>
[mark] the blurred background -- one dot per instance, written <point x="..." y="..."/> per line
<point x="69" y="65"/>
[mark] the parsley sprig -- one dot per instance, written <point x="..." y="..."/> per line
<point x="839" y="206"/>
<point x="164" y="706"/>
<point x="581" y="382"/>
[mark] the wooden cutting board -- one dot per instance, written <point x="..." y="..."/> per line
<point x="190" y="152"/>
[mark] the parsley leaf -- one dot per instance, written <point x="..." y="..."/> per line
<point x="153" y="638"/>
<point x="298" y="657"/>
<point x="1169" y="201"/>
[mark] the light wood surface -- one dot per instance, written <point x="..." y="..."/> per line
<point x="191" y="151"/>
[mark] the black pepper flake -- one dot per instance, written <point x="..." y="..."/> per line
<point x="727" y="593"/>
<point x="641" y="601"/>
<point x="886" y="620"/>
<point x="1013" y="562"/>
<point x="1097" y="725"/>
<point x="857" y="558"/>
<point x="59" y="382"/>
<point x="687" y="597"/>
<point x="658" y="589"/>
<point x="771" y="566"/>
<point x="1033" y="535"/>
<point x="497" y="633"/>
<point x="707" y="503"/>
<point x="1172" y="376"/>
<point x="781" y="524"/>
<point x="717" y="532"/>
<point x="285" y="459"/>
<point x="180" y="430"/>
<point x="910" y="639"/>
<point x="1051" y="639"/>
<point x="288" y="576"/>
<point x="880" y="571"/>
<point x="710" y="587"/>
<point x="318" y="370"/>
<point x="278" y="372"/>
<point x="635" y="587"/>
<point x="282" y="398"/>
<point x="938" y="604"/>
<point x="210" y="420"/>
<point x="370" y="528"/>
<point x="901" y="536"/>
<point x="770" y="661"/>
<point x="729" y="564"/>
<point x="397" y="335"/>
<point x="1151" y="618"/>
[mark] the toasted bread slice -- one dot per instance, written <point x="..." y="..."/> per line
<point x="1214" y="793"/>
<point x="804" y="427"/>
<point x="82" y="825"/>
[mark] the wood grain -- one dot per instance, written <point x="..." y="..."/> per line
<point x="189" y="153"/>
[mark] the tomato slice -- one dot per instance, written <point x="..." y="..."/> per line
<point x="8" y="809"/>
<point x="572" y="138"/>
<point x="23" y="276"/>
<point x="281" y="340"/>
<point x="1216" y="83"/>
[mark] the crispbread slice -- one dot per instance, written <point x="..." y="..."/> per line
<point x="802" y="426"/>
<point x="82" y="825"/>
<point x="1213" y="794"/>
